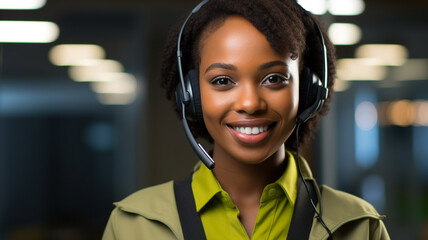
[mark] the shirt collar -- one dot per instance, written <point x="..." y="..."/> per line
<point x="288" y="180"/>
<point x="205" y="186"/>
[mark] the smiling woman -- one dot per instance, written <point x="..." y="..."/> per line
<point x="252" y="90"/>
<point x="249" y="109"/>
<point x="257" y="71"/>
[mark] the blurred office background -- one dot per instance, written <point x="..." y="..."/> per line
<point x="84" y="122"/>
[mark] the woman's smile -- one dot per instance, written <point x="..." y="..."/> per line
<point x="251" y="132"/>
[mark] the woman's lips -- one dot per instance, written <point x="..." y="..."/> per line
<point x="250" y="132"/>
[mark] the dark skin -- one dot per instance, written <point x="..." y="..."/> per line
<point x="249" y="96"/>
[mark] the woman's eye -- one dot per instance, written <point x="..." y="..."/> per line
<point x="222" y="81"/>
<point x="275" y="79"/>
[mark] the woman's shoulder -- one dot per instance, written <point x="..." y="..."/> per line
<point x="349" y="217"/>
<point x="339" y="200"/>
<point x="149" y="213"/>
<point x="148" y="199"/>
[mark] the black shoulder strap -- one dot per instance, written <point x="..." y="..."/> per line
<point x="303" y="214"/>
<point x="191" y="223"/>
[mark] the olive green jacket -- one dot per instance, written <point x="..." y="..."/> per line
<point x="151" y="213"/>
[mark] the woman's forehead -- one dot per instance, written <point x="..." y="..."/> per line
<point x="236" y="23"/>
<point x="237" y="36"/>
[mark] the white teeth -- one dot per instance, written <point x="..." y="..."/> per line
<point x="255" y="130"/>
<point x="252" y="131"/>
<point x="248" y="130"/>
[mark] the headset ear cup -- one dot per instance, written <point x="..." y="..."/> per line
<point x="193" y="107"/>
<point x="179" y="98"/>
<point x="305" y="84"/>
<point x="193" y="79"/>
<point x="309" y="101"/>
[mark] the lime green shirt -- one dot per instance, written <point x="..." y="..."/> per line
<point x="220" y="216"/>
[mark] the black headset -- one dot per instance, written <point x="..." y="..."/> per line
<point x="313" y="91"/>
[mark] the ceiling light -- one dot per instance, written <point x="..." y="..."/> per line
<point x="114" y="76"/>
<point x="344" y="33"/>
<point x="385" y="54"/>
<point x="21" y="4"/>
<point x="346" y="7"/>
<point x="115" y="99"/>
<point x="318" y="7"/>
<point x="350" y="69"/>
<point x="122" y="85"/>
<point x="28" y="32"/>
<point x="72" y="54"/>
<point x="90" y="69"/>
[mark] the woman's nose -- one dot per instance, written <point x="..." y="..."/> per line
<point x="249" y="100"/>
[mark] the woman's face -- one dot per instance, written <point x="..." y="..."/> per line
<point x="249" y="93"/>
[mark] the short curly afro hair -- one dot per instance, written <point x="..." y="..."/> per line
<point x="287" y="28"/>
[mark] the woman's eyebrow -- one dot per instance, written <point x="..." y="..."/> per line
<point x="232" y="67"/>
<point x="221" y="65"/>
<point x="272" y="64"/>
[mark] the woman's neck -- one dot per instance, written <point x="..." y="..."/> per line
<point x="245" y="182"/>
